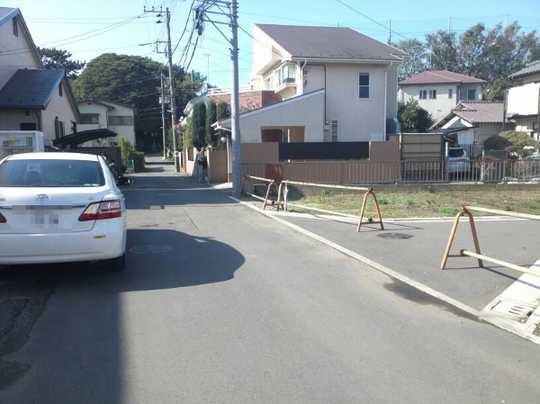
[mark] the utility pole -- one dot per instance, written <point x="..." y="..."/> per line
<point x="228" y="9"/>
<point x="171" y="85"/>
<point x="389" y="32"/>
<point x="163" y="123"/>
<point x="235" y="101"/>
<point x="159" y="13"/>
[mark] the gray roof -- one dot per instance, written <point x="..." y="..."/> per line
<point x="6" y="13"/>
<point x="475" y="113"/>
<point x="480" y="112"/>
<point x="531" y="68"/>
<point x="329" y="42"/>
<point x="30" y="88"/>
<point x="440" y="77"/>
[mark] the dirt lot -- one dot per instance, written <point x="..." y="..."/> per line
<point x="424" y="203"/>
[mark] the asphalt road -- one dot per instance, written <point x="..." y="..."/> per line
<point x="222" y="305"/>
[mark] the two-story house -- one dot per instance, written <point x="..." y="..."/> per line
<point x="523" y="99"/>
<point x="440" y="91"/>
<point x="31" y="97"/>
<point x="336" y="84"/>
<point x="108" y="115"/>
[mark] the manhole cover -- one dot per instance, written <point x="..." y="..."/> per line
<point x="395" y="236"/>
<point x="151" y="249"/>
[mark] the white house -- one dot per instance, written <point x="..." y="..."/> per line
<point x="108" y="115"/>
<point x="440" y="91"/>
<point x="473" y="122"/>
<point x="336" y="85"/>
<point x="523" y="99"/>
<point x="31" y="97"/>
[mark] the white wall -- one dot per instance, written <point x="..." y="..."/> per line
<point x="16" y="60"/>
<point x="523" y="100"/>
<point x="12" y="119"/>
<point x="439" y="107"/>
<point x="265" y="52"/>
<point x="307" y="111"/>
<point x="358" y="119"/>
<point x="58" y="107"/>
<point x="101" y="110"/>
<point x="124" y="131"/>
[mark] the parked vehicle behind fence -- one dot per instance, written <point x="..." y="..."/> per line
<point x="458" y="160"/>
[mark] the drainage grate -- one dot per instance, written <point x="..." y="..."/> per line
<point x="516" y="311"/>
<point x="156" y="207"/>
<point x="395" y="236"/>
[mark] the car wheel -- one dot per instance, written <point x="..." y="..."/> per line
<point x="116" y="264"/>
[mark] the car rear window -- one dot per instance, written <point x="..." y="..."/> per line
<point x="51" y="173"/>
<point x="456" y="152"/>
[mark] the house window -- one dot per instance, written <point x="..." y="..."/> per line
<point x="120" y="120"/>
<point x="423" y="94"/>
<point x="471" y="94"/>
<point x="432" y="94"/>
<point x="15" y="26"/>
<point x="56" y="128"/>
<point x="450" y="93"/>
<point x="60" y="91"/>
<point x="89" y="118"/>
<point x="364" y="85"/>
<point x="334" y="131"/>
<point x="28" y="126"/>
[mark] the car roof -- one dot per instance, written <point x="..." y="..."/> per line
<point x="53" y="156"/>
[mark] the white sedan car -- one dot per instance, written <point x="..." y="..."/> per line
<point x="60" y="207"/>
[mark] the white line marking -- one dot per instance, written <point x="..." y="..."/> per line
<point x="167" y="189"/>
<point x="381" y="268"/>
<point x="497" y="322"/>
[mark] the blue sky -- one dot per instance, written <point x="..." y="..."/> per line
<point x="59" y="22"/>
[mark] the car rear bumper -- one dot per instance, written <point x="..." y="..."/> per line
<point x="104" y="241"/>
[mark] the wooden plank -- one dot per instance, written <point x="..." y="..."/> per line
<point x="502" y="263"/>
<point x="503" y="212"/>
<point x="316" y="185"/>
<point x="252" y="177"/>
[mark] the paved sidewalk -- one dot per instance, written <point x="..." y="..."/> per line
<point x="415" y="249"/>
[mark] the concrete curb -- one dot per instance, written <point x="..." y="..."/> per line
<point x="390" y="272"/>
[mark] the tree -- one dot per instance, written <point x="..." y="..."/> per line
<point x="199" y="125"/>
<point x="413" y="118"/>
<point x="414" y="60"/>
<point x="53" y="58"/>
<point x="442" y="51"/>
<point x="211" y="117"/>
<point x="134" y="81"/>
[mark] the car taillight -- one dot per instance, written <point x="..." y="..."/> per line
<point x="2" y="219"/>
<point x="102" y="210"/>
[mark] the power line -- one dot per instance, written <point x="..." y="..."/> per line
<point x="74" y="38"/>
<point x="369" y="18"/>
<point x="185" y="27"/>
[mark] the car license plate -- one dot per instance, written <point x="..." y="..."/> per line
<point x="42" y="219"/>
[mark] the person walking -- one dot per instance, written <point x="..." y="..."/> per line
<point x="202" y="166"/>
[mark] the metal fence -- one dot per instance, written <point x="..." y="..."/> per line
<point x="406" y="171"/>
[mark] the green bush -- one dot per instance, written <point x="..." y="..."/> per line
<point x="125" y="149"/>
<point x="496" y="142"/>
<point x="138" y="160"/>
<point x="519" y="140"/>
<point x="413" y="118"/>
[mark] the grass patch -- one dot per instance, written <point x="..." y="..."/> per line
<point x="425" y="203"/>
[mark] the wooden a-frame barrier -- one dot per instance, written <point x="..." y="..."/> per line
<point x="281" y="202"/>
<point x="466" y="211"/>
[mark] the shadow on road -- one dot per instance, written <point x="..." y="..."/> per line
<point x="76" y="352"/>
